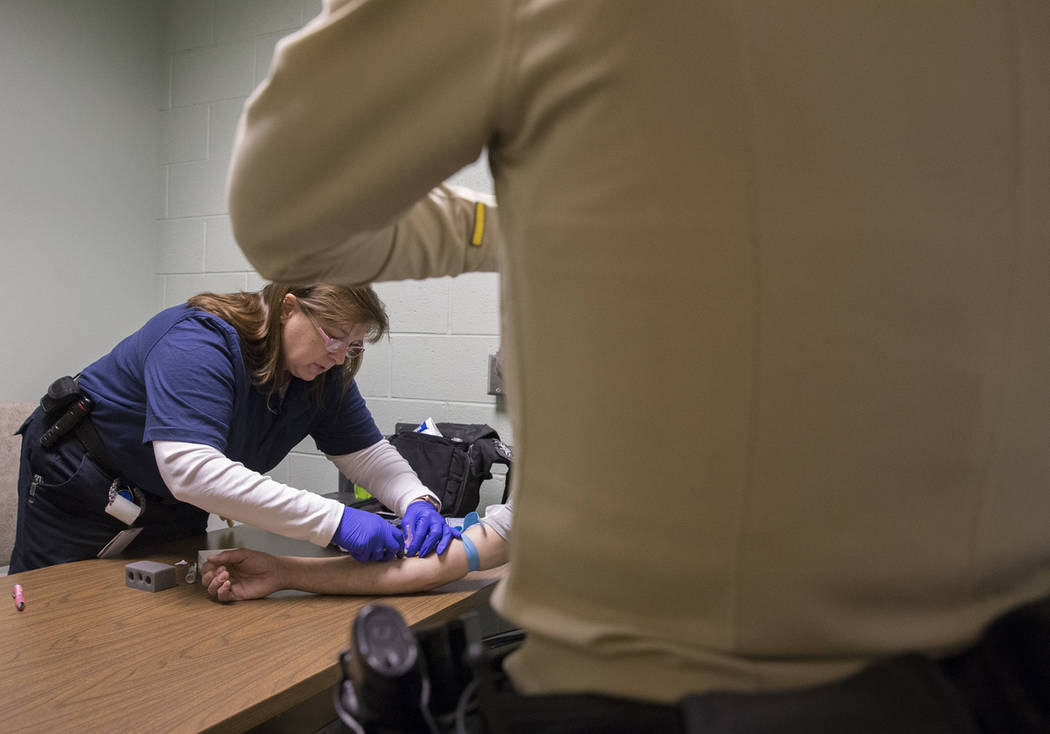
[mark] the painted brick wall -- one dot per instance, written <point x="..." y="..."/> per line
<point x="79" y="190"/>
<point x="435" y="362"/>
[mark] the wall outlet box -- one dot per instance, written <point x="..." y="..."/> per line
<point x="495" y="375"/>
<point x="149" y="575"/>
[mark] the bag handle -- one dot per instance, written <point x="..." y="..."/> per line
<point x="494" y="451"/>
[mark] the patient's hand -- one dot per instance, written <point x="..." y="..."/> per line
<point x="235" y="575"/>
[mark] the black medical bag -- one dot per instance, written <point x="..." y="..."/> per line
<point x="452" y="466"/>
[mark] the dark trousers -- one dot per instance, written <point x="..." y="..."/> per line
<point x="999" y="686"/>
<point x="61" y="515"/>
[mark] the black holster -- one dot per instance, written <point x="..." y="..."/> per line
<point x="67" y="408"/>
<point x="60" y="394"/>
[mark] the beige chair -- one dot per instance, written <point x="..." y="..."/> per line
<point x="11" y="417"/>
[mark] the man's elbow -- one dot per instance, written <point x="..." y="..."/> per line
<point x="253" y="230"/>
<point x="252" y="197"/>
<point x="250" y="235"/>
<point x="271" y="253"/>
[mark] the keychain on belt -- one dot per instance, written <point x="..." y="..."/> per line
<point x="122" y="503"/>
<point x="127" y="505"/>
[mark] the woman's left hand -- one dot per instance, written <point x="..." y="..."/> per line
<point x="428" y="529"/>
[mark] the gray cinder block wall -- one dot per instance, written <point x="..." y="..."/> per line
<point x="79" y="190"/>
<point x="435" y="362"/>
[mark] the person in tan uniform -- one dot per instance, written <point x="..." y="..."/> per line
<point x="776" y="315"/>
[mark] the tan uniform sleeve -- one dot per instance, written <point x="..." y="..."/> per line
<point x="338" y="152"/>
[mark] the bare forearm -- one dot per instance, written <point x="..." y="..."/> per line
<point x="344" y="575"/>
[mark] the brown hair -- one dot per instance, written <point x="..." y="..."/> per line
<point x="257" y="318"/>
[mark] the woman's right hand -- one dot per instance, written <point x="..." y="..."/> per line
<point x="236" y="575"/>
<point x="368" y="537"/>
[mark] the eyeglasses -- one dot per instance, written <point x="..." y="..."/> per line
<point x="335" y="346"/>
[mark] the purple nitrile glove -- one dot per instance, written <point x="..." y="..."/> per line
<point x="427" y="529"/>
<point x="368" y="537"/>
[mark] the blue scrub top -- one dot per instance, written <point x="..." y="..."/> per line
<point x="182" y="377"/>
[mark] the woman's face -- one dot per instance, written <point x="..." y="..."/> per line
<point x="305" y="355"/>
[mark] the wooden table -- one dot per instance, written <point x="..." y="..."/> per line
<point x="91" y="654"/>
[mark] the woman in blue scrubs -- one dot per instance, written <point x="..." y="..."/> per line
<point x="185" y="417"/>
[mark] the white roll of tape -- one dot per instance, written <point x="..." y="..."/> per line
<point x="123" y="509"/>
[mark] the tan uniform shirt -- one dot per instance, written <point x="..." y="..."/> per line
<point x="776" y="305"/>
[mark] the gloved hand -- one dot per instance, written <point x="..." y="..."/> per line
<point x="427" y="529"/>
<point x="368" y="537"/>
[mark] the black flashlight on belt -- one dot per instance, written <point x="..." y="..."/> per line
<point x="383" y="688"/>
<point x="76" y="412"/>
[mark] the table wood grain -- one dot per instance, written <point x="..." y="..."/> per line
<point x="90" y="654"/>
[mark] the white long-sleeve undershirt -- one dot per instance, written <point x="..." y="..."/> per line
<point x="203" y="476"/>
<point x="500" y="518"/>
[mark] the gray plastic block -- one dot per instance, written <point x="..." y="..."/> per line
<point x="149" y="575"/>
